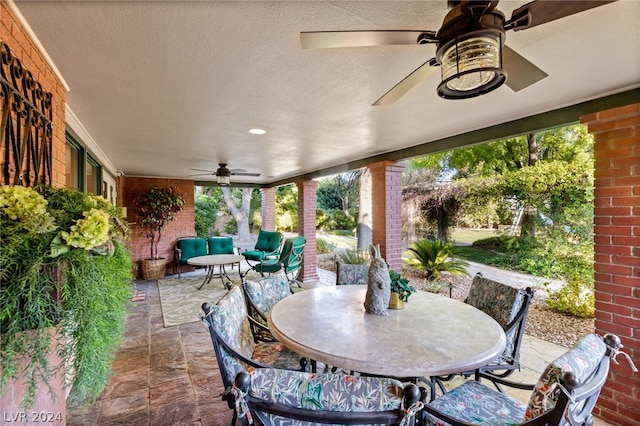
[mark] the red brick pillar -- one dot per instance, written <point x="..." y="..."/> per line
<point x="307" y="228"/>
<point x="386" y="200"/>
<point x="268" y="209"/>
<point x="617" y="252"/>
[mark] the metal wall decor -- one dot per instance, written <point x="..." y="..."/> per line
<point x="26" y="125"/>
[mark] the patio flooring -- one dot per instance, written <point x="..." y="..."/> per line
<point x="169" y="376"/>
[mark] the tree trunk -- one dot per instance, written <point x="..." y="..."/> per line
<point x="240" y="214"/>
<point x="529" y="219"/>
<point x="365" y="215"/>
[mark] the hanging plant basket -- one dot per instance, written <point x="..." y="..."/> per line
<point x="152" y="269"/>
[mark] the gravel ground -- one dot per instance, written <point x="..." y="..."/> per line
<point x="542" y="322"/>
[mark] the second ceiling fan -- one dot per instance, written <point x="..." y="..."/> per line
<point x="470" y="48"/>
<point x="223" y="174"/>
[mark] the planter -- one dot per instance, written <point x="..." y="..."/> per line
<point x="152" y="269"/>
<point x="395" y="302"/>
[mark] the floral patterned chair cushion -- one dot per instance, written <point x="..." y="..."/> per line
<point x="476" y="403"/>
<point x="326" y="392"/>
<point x="347" y="274"/>
<point x="229" y="319"/>
<point x="500" y="301"/>
<point x="265" y="293"/>
<point x="582" y="360"/>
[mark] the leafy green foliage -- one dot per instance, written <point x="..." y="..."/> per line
<point x="354" y="257"/>
<point x="435" y="257"/>
<point x="287" y="208"/>
<point x="158" y="206"/>
<point x="206" y="211"/>
<point x="575" y="298"/>
<point x="82" y="292"/>
<point x="323" y="246"/>
<point x="231" y="227"/>
<point x="400" y="285"/>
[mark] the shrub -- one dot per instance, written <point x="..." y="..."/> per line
<point x="323" y="246"/>
<point x="354" y="257"/>
<point x="435" y="257"/>
<point x="575" y="297"/>
<point x="206" y="210"/>
<point x="231" y="227"/>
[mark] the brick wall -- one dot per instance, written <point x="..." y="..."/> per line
<point x="307" y="228"/>
<point x="184" y="225"/>
<point x="268" y="209"/>
<point x="617" y="252"/>
<point x="386" y="199"/>
<point x="22" y="47"/>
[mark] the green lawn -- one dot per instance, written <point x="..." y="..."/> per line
<point x="465" y="235"/>
<point x="475" y="254"/>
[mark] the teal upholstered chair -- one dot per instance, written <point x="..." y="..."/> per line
<point x="565" y="393"/>
<point x="188" y="247"/>
<point x="222" y="245"/>
<point x="289" y="261"/>
<point x="289" y="398"/>
<point x="267" y="247"/>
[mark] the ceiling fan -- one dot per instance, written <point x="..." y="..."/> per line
<point x="223" y="174"/>
<point x="470" y="51"/>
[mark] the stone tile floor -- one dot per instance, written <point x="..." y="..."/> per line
<point x="169" y="376"/>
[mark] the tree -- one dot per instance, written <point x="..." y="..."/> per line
<point x="239" y="210"/>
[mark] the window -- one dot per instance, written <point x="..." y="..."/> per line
<point x="93" y="177"/>
<point x="72" y="162"/>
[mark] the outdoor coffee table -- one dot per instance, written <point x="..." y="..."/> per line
<point x="432" y="336"/>
<point x="213" y="260"/>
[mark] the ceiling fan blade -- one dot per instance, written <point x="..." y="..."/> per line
<point x="542" y="11"/>
<point x="202" y="174"/>
<point x="324" y="39"/>
<point x="410" y="81"/>
<point x="244" y="174"/>
<point x="520" y="72"/>
<point x="202" y="170"/>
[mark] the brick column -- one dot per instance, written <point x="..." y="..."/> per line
<point x="617" y="252"/>
<point x="268" y="209"/>
<point x="386" y="200"/>
<point x="307" y="228"/>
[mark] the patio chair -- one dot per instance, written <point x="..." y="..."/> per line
<point x="348" y="274"/>
<point x="277" y="397"/>
<point x="261" y="296"/>
<point x="565" y="393"/>
<point x="509" y="306"/>
<point x="235" y="346"/>
<point x="289" y="261"/>
<point x="267" y="247"/>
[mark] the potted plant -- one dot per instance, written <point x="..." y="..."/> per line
<point x="400" y="290"/>
<point x="158" y="206"/>
<point x="66" y="281"/>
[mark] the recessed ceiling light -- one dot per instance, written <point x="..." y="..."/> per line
<point x="257" y="131"/>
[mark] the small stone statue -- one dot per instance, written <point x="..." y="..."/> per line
<point x="378" y="286"/>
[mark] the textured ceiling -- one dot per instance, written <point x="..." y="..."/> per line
<point x="165" y="87"/>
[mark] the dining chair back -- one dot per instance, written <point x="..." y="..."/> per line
<point x="348" y="274"/>
<point x="272" y="396"/>
<point x="289" y="261"/>
<point x="267" y="247"/>
<point x="262" y="295"/>
<point x="509" y="306"/>
<point x="565" y="393"/>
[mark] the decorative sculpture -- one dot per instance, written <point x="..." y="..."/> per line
<point x="378" y="285"/>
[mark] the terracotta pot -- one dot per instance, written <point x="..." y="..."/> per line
<point x="152" y="269"/>
<point x="395" y="302"/>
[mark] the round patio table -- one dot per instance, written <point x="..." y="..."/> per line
<point x="431" y="336"/>
<point x="213" y="260"/>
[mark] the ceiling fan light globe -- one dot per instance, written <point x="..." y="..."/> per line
<point x="223" y="180"/>
<point x="472" y="67"/>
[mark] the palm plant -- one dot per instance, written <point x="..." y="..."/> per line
<point x="435" y="257"/>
